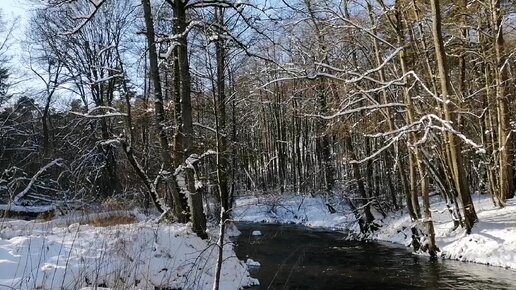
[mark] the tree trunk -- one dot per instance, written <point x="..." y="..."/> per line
<point x="195" y="203"/>
<point x="159" y="115"/>
<point x="220" y="130"/>
<point x="460" y="179"/>
<point x="503" y="96"/>
<point x="367" y="224"/>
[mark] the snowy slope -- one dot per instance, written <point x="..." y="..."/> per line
<point x="135" y="256"/>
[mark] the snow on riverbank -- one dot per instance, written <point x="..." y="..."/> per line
<point x="492" y="241"/>
<point x="133" y="256"/>
<point x="297" y="209"/>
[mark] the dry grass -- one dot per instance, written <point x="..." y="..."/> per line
<point x="113" y="221"/>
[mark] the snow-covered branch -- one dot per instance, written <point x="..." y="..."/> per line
<point x="90" y="114"/>
<point x="56" y="162"/>
<point x="355" y="110"/>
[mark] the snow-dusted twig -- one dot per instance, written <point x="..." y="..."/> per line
<point x="355" y="110"/>
<point x="108" y="115"/>
<point x="208" y="128"/>
<point x="368" y="72"/>
<point x="379" y="150"/>
<point x="105" y="79"/>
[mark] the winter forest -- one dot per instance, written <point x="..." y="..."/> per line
<point x="160" y="144"/>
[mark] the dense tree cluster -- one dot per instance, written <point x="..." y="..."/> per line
<point x="190" y="101"/>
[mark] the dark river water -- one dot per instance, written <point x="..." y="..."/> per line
<point x="296" y="257"/>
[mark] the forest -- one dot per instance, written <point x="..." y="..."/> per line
<point x="183" y="106"/>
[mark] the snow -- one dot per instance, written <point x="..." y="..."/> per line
<point x="492" y="241"/>
<point x="69" y="254"/>
<point x="143" y="255"/>
<point x="256" y="233"/>
<point x="296" y="209"/>
<point x="252" y="263"/>
<point x="232" y="230"/>
<point x="241" y="2"/>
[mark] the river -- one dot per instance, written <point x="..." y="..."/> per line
<point x="297" y="257"/>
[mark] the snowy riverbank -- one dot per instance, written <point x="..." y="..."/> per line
<point x="492" y="241"/>
<point x="142" y="255"/>
<point x="297" y="209"/>
<point x="65" y="253"/>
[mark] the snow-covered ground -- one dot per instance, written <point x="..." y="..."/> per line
<point x="492" y="241"/>
<point x="295" y="209"/>
<point x="142" y="255"/>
